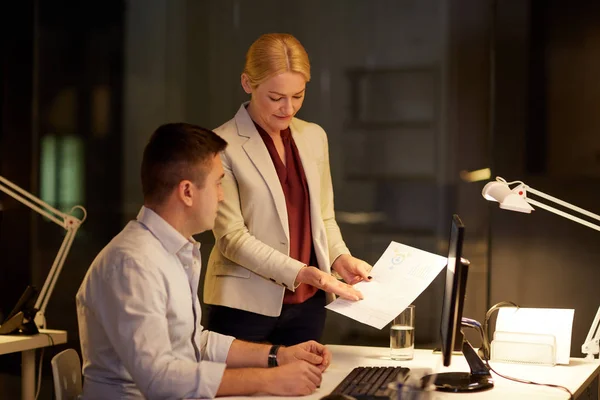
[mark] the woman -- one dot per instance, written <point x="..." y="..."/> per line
<point x="277" y="240"/>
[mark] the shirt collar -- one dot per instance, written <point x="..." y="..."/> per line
<point x="169" y="237"/>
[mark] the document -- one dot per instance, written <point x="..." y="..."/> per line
<point x="400" y="275"/>
<point x="551" y="321"/>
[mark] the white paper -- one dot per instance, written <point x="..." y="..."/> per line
<point x="551" y="321"/>
<point x="400" y="275"/>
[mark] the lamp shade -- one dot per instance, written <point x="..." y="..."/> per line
<point x="514" y="200"/>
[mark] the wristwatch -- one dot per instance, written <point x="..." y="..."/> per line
<point x="272" y="360"/>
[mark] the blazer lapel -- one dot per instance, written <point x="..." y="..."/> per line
<point x="259" y="155"/>
<point x="313" y="180"/>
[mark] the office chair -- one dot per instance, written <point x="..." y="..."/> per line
<point x="66" y="373"/>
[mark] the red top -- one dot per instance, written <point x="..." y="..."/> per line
<point x="295" y="189"/>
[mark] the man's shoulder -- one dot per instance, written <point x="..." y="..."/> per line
<point x="135" y="256"/>
<point x="133" y="246"/>
<point x="134" y="241"/>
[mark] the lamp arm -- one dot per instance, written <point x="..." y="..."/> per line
<point x="563" y="203"/>
<point x="591" y="346"/>
<point x="69" y="222"/>
<point x="562" y="213"/>
<point x="55" y="270"/>
<point x="34" y="203"/>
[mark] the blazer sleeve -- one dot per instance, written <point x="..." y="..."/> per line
<point x="335" y="242"/>
<point x="237" y="244"/>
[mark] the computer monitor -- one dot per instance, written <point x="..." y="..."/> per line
<point x="457" y="271"/>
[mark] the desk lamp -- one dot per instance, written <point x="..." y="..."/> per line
<point x="69" y="222"/>
<point x="516" y="200"/>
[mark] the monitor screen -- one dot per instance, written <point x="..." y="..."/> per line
<point x="457" y="270"/>
<point x="456" y="278"/>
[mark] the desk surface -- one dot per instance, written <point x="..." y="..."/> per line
<point x="576" y="376"/>
<point x="18" y="343"/>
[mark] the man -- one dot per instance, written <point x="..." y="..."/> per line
<point x="138" y="307"/>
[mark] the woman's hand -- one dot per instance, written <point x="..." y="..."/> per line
<point x="351" y="269"/>
<point x="327" y="282"/>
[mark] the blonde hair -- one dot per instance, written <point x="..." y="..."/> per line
<point x="273" y="54"/>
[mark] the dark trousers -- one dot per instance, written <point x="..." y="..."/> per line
<point x="296" y="324"/>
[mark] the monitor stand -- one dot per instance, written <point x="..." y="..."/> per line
<point x="458" y="343"/>
<point x="477" y="380"/>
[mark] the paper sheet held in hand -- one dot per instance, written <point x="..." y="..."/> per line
<point x="400" y="275"/>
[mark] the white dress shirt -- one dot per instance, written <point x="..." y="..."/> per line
<point x="139" y="318"/>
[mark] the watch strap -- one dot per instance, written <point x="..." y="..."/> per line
<point x="272" y="360"/>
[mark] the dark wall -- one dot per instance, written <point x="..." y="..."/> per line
<point x="16" y="156"/>
<point x="546" y="103"/>
<point x="17" y="161"/>
<point x="62" y="93"/>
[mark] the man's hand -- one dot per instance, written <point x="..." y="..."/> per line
<point x="311" y="351"/>
<point x="327" y="282"/>
<point x="298" y="378"/>
<point x="351" y="269"/>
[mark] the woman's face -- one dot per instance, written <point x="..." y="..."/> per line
<point x="275" y="101"/>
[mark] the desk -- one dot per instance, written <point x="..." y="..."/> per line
<point x="580" y="376"/>
<point x="27" y="345"/>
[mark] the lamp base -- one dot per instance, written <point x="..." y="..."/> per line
<point x="40" y="320"/>
<point x="18" y="324"/>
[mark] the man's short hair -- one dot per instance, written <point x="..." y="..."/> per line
<point x="176" y="152"/>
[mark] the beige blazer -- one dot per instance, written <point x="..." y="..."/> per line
<point x="249" y="267"/>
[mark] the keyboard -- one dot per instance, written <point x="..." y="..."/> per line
<point x="369" y="382"/>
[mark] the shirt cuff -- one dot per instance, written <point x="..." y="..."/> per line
<point x="217" y="347"/>
<point x="211" y="374"/>
<point x="297" y="284"/>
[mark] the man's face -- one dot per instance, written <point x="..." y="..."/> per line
<point x="208" y="197"/>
